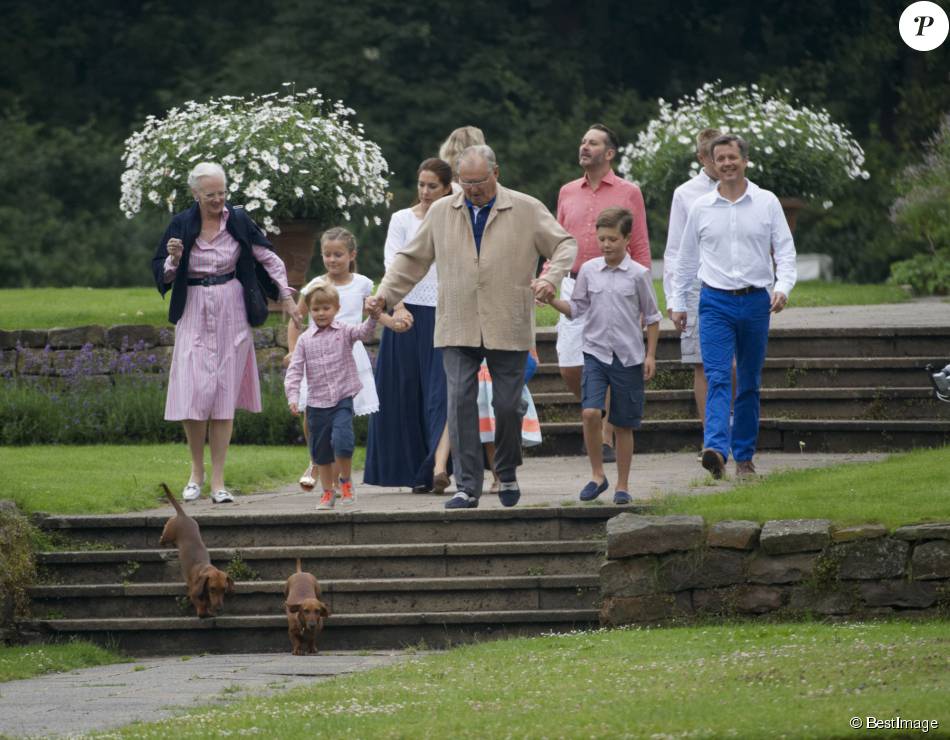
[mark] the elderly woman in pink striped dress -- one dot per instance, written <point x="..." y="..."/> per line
<point x="219" y="266"/>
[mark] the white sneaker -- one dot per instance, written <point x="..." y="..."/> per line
<point x="222" y="497"/>
<point x="191" y="492"/>
<point x="307" y="481"/>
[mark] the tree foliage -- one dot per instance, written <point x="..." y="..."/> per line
<point x="74" y="83"/>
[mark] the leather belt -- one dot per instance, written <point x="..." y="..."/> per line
<point x="738" y="291"/>
<point x="212" y="279"/>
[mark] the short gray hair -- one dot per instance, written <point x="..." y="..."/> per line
<point x="482" y="151"/>
<point x="206" y="169"/>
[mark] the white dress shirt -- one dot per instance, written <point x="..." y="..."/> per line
<point x="683" y="198"/>
<point x="733" y="244"/>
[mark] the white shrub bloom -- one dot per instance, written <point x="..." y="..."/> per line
<point x="798" y="151"/>
<point x="317" y="162"/>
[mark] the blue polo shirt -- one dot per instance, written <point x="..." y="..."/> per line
<point x="479" y="220"/>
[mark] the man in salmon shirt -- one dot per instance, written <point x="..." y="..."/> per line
<point x="578" y="205"/>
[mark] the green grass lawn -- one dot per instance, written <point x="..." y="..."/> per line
<point x="44" y="308"/>
<point x="902" y="489"/>
<point x="105" y="479"/>
<point x="747" y="681"/>
<point x="34" y="660"/>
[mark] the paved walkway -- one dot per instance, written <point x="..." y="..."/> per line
<point x="927" y="312"/>
<point x="105" y="697"/>
<point x="545" y="481"/>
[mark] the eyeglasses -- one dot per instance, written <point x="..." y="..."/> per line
<point x="210" y="196"/>
<point x="474" y="183"/>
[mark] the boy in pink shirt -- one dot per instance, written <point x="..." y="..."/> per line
<point x="613" y="292"/>
<point x="325" y="353"/>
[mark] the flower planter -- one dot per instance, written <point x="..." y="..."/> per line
<point x="294" y="245"/>
<point x="791" y="206"/>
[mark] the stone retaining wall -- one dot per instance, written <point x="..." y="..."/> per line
<point x="662" y="568"/>
<point x="100" y="351"/>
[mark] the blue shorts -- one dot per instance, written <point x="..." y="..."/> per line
<point x="331" y="432"/>
<point x="626" y="390"/>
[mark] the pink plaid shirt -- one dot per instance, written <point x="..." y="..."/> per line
<point x="578" y="206"/>
<point x="326" y="355"/>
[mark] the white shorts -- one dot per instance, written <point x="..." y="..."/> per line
<point x="690" y="352"/>
<point x="570" y="333"/>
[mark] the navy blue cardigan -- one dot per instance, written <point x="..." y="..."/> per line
<point x="254" y="278"/>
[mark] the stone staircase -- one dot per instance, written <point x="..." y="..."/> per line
<point x="835" y="390"/>
<point x="390" y="579"/>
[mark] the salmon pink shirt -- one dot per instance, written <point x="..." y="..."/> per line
<point x="579" y="205"/>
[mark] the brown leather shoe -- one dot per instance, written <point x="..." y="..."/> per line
<point x="440" y="482"/>
<point x="745" y="469"/>
<point x="714" y="463"/>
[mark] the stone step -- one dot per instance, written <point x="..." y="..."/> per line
<point x="452" y="560"/>
<point x="783" y="435"/>
<point x="263" y="634"/>
<point x="353" y="596"/>
<point x="806" y="343"/>
<point x="794" y="403"/>
<point x="240" y="530"/>
<point x="785" y="372"/>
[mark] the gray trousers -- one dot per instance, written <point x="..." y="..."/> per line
<point x="461" y="375"/>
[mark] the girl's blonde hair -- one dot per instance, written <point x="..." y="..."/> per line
<point x="458" y="141"/>
<point x="339" y="234"/>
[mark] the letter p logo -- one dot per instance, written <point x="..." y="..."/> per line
<point x="923" y="21"/>
<point x="923" y="25"/>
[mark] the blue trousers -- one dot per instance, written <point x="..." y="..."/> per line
<point x="331" y="432"/>
<point x="733" y="326"/>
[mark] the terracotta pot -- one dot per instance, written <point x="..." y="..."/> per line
<point x="294" y="245"/>
<point x="791" y="206"/>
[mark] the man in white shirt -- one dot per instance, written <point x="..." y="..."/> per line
<point x="729" y="240"/>
<point x="683" y="198"/>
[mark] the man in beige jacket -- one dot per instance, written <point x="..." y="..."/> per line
<point x="486" y="243"/>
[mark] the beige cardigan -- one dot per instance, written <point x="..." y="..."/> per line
<point x="484" y="298"/>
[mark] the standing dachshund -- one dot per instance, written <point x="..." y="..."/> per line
<point x="305" y="612"/>
<point x="206" y="584"/>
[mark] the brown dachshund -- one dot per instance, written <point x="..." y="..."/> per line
<point x="206" y="584"/>
<point x="305" y="612"/>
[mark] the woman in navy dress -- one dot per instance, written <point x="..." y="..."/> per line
<point x="408" y="439"/>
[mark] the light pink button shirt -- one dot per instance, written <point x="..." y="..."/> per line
<point x="326" y="356"/>
<point x="613" y="299"/>
<point x="579" y="205"/>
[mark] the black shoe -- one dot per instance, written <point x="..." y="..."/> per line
<point x="609" y="454"/>
<point x="509" y="493"/>
<point x="462" y="500"/>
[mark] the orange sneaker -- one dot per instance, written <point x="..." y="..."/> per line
<point x="328" y="499"/>
<point x="349" y="497"/>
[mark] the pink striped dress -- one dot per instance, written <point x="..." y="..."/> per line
<point x="214" y="368"/>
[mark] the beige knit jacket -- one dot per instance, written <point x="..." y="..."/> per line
<point x="484" y="297"/>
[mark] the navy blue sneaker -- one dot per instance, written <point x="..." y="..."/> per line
<point x="608" y="453"/>
<point x="509" y="493"/>
<point x="462" y="500"/>
<point x="622" y="497"/>
<point x="592" y="490"/>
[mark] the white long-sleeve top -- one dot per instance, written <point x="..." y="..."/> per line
<point x="402" y="228"/>
<point x="730" y="245"/>
<point x="683" y="198"/>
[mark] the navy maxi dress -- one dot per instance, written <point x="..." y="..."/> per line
<point x="410" y="383"/>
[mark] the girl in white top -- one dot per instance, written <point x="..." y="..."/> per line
<point x="338" y="249"/>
